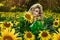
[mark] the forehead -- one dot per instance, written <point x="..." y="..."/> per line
<point x="36" y="8"/>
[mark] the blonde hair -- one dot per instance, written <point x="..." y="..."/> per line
<point x="40" y="9"/>
<point x="36" y="6"/>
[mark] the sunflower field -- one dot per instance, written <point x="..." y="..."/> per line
<point x="20" y="26"/>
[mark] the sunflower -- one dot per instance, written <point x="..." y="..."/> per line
<point x="13" y="7"/>
<point x="15" y="22"/>
<point x="7" y="15"/>
<point x="44" y="35"/>
<point x="1" y="4"/>
<point x="29" y="36"/>
<point x="3" y="14"/>
<point x="46" y="15"/>
<point x="59" y="29"/>
<point x="5" y="25"/>
<point x="12" y="15"/>
<point x="57" y="19"/>
<point x="54" y="16"/>
<point x="56" y="36"/>
<point x="56" y="23"/>
<point x="28" y="16"/>
<point x="1" y="23"/>
<point x="9" y="35"/>
<point x="17" y="16"/>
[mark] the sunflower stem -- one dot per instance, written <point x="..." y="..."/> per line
<point x="25" y="25"/>
<point x="55" y="31"/>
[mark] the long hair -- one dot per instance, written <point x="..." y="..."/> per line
<point x="40" y="9"/>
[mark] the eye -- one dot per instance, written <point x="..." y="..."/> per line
<point x="36" y="10"/>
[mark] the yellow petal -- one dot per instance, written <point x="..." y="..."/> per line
<point x="13" y="31"/>
<point x="59" y="29"/>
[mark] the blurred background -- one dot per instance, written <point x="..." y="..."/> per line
<point x="24" y="5"/>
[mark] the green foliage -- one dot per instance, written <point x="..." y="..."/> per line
<point x="24" y="25"/>
<point x="4" y="9"/>
<point x="18" y="9"/>
<point x="48" y="22"/>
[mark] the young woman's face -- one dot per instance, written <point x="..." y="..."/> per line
<point x="35" y="11"/>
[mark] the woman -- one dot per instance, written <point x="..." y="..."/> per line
<point x="37" y="13"/>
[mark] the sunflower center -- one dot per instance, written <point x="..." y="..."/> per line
<point x="29" y="35"/>
<point x="56" y="23"/>
<point x="28" y="16"/>
<point x="59" y="38"/>
<point x="7" y="38"/>
<point x="7" y="25"/>
<point x="56" y="19"/>
<point x="44" y="34"/>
